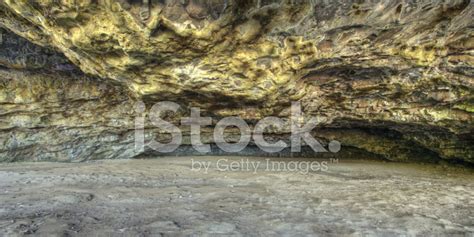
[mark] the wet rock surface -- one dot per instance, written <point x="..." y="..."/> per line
<point x="393" y="79"/>
<point x="166" y="197"/>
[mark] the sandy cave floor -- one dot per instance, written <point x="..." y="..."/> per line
<point x="166" y="197"/>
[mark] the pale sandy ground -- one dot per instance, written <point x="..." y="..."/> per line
<point x="165" y="197"/>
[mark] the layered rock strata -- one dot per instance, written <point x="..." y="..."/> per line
<point x="392" y="79"/>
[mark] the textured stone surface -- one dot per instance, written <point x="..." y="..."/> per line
<point x="394" y="79"/>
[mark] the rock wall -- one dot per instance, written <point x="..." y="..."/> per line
<point x="393" y="79"/>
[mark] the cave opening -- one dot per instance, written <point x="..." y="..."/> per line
<point x="178" y="118"/>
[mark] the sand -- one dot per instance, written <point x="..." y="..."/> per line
<point x="170" y="196"/>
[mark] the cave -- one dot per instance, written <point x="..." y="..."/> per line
<point x="122" y="100"/>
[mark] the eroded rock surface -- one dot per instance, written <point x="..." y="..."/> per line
<point x="391" y="78"/>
